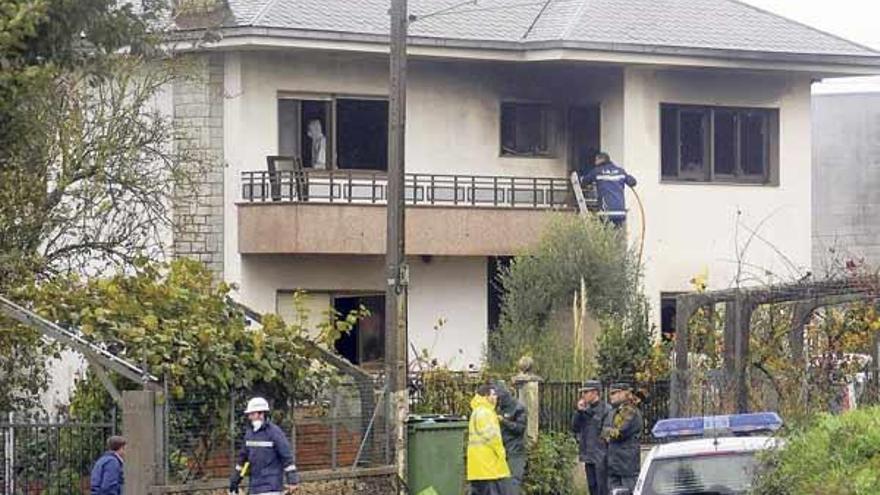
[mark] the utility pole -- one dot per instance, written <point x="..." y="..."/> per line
<point x="397" y="278"/>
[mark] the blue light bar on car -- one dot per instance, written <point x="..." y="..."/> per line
<point x="707" y="425"/>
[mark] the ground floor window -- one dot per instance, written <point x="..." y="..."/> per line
<point x="668" y="314"/>
<point x="494" y="290"/>
<point x="365" y="344"/>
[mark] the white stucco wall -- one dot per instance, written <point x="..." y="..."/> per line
<point x="453" y="121"/>
<point x="693" y="227"/>
<point x="451" y="289"/>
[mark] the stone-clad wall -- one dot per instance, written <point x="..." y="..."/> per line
<point x="198" y="121"/>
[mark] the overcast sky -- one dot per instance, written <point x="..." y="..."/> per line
<point x="855" y="20"/>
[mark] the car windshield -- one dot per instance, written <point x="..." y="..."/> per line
<point x="711" y="474"/>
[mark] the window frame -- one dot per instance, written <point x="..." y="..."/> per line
<point x="770" y="176"/>
<point x="331" y="132"/>
<point x="551" y="115"/>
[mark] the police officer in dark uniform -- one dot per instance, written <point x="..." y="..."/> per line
<point x="623" y="432"/>
<point x="513" y="419"/>
<point x="586" y="424"/>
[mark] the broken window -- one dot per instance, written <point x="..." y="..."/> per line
<point x="715" y="144"/>
<point x="364" y="345"/>
<point x="527" y="129"/>
<point x="343" y="133"/>
<point x="362" y="134"/>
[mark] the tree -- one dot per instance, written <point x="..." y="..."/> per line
<point x="85" y="160"/>
<point x="539" y="288"/>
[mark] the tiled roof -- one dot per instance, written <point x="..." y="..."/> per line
<point x="699" y="24"/>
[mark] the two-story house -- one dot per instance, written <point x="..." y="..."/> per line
<point x="706" y="102"/>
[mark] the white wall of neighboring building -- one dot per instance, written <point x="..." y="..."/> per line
<point x="442" y="288"/>
<point x="693" y="227"/>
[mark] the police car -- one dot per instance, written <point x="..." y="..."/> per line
<point x="721" y="462"/>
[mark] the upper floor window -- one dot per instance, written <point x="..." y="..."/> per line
<point x="718" y="144"/>
<point x="340" y="133"/>
<point x="527" y="129"/>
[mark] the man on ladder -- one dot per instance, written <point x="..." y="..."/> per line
<point x="611" y="182"/>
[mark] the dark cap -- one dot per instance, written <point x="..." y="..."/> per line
<point x="591" y="385"/>
<point x="621" y="386"/>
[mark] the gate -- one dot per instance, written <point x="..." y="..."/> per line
<point x="41" y="455"/>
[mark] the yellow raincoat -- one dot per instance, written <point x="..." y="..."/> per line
<point x="486" y="459"/>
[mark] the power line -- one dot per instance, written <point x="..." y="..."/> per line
<point x="499" y="8"/>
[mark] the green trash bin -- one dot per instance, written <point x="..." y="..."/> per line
<point x="435" y="455"/>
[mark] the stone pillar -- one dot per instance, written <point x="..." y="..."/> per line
<point x="142" y="426"/>
<point x="528" y="391"/>
<point x="198" y="123"/>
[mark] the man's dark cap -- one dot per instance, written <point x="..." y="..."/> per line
<point x="621" y="386"/>
<point x="591" y="385"/>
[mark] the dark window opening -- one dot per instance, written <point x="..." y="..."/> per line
<point x="707" y="144"/>
<point x="527" y="129"/>
<point x="362" y="134"/>
<point x="303" y="131"/>
<point x="584" y="133"/>
<point x="344" y="133"/>
<point x="495" y="266"/>
<point x="364" y="345"/>
<point x="668" y="314"/>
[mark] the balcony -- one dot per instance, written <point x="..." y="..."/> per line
<point x="342" y="212"/>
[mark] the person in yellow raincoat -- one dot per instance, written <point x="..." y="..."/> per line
<point x="487" y="469"/>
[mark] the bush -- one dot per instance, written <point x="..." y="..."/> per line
<point x="551" y="462"/>
<point x="574" y="255"/>
<point x="835" y="455"/>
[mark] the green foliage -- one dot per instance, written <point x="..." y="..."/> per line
<point x="625" y="345"/>
<point x="175" y="320"/>
<point x="835" y="455"/>
<point x="84" y="164"/>
<point x="552" y="459"/>
<point x="443" y="391"/>
<point x="539" y="289"/>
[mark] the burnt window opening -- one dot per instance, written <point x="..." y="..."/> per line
<point x="336" y="133"/>
<point x="668" y="314"/>
<point x="364" y="345"/>
<point x="527" y="129"/>
<point x="718" y="144"/>
<point x="362" y="134"/>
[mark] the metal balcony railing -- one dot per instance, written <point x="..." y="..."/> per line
<point x="365" y="187"/>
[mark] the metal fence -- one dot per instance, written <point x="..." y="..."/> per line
<point x="50" y="455"/>
<point x="558" y="400"/>
<point x="365" y="187"/>
<point x="342" y="427"/>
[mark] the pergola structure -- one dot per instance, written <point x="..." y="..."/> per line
<point x="739" y="305"/>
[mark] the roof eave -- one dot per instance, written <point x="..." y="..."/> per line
<point x="379" y="42"/>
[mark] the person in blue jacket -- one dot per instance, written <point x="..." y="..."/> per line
<point x="611" y="182"/>
<point x="267" y="455"/>
<point x="107" y="476"/>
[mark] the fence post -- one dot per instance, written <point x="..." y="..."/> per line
<point x="528" y="391"/>
<point x="142" y="424"/>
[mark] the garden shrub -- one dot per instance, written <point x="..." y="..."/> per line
<point x="552" y="459"/>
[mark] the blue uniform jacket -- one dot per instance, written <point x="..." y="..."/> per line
<point x="107" y="477"/>
<point x="610" y="184"/>
<point x="271" y="459"/>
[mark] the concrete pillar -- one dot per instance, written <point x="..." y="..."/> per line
<point x="528" y="391"/>
<point x="142" y="427"/>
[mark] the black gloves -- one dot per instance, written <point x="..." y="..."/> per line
<point x="234" y="481"/>
<point x="292" y="477"/>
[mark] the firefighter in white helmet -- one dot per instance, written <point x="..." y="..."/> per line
<point x="266" y="456"/>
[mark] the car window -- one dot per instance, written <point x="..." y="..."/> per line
<point x="712" y="474"/>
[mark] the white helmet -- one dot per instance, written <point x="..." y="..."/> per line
<point x="257" y="404"/>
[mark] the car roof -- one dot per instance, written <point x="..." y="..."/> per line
<point x="713" y="445"/>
